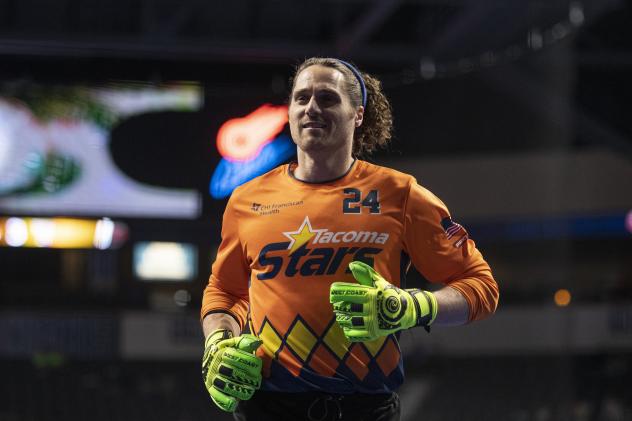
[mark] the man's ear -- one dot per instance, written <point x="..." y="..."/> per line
<point x="359" y="116"/>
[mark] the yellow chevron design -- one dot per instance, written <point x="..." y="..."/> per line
<point x="336" y="341"/>
<point x="271" y="341"/>
<point x="375" y="345"/>
<point x="301" y="340"/>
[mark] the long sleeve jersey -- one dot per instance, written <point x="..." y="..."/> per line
<point x="284" y="242"/>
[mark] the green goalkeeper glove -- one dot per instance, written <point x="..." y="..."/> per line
<point x="375" y="308"/>
<point x="230" y="369"/>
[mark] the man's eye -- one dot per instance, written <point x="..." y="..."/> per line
<point x="327" y="99"/>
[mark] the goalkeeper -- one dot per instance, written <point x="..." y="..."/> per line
<point x="313" y="263"/>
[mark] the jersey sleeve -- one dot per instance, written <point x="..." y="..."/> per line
<point x="442" y="252"/>
<point x="227" y="289"/>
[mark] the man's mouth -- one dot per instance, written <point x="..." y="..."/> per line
<point x="314" y="125"/>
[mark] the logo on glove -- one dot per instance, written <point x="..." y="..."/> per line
<point x="392" y="305"/>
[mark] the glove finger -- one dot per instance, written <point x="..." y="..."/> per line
<point x="245" y="342"/>
<point x="353" y="293"/>
<point x="343" y="319"/>
<point x="223" y="401"/>
<point x="363" y="273"/>
<point x="248" y="343"/>
<point x="347" y="320"/>
<point x="358" y="335"/>
<point x="240" y="376"/>
<point x="206" y="359"/>
<point x="351" y="308"/>
<point x="233" y="389"/>
<point x="236" y="358"/>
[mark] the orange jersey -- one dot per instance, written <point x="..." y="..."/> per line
<point x="285" y="241"/>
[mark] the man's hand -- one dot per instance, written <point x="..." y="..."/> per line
<point x="375" y="308"/>
<point x="230" y="370"/>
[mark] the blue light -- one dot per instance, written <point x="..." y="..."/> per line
<point x="230" y="174"/>
<point x="569" y="227"/>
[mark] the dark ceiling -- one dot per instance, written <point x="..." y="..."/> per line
<point x="558" y="63"/>
<point x="382" y="32"/>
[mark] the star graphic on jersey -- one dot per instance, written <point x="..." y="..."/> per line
<point x="301" y="236"/>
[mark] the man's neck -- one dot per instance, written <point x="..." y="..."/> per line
<point x="320" y="167"/>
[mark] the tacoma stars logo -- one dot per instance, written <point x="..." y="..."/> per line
<point x="304" y="254"/>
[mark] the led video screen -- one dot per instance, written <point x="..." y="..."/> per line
<point x="55" y="156"/>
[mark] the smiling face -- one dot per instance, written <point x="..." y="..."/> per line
<point x="321" y="115"/>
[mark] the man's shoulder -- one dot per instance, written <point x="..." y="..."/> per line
<point x="387" y="176"/>
<point x="269" y="179"/>
<point x="400" y="179"/>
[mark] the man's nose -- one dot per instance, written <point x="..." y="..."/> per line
<point x="312" y="106"/>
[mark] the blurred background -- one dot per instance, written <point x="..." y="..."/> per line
<point x="125" y="125"/>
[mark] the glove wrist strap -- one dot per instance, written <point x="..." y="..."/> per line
<point x="218" y="335"/>
<point x="425" y="307"/>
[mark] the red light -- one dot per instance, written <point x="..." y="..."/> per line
<point x="241" y="139"/>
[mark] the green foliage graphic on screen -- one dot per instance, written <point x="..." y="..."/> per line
<point x="55" y="155"/>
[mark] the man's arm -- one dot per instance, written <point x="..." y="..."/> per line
<point x="453" y="309"/>
<point x="214" y="321"/>
<point x="374" y="307"/>
<point x="444" y="253"/>
<point x="225" y="298"/>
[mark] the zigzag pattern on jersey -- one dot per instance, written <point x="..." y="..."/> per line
<point x="301" y="348"/>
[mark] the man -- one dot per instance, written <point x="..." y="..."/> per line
<point x="312" y="256"/>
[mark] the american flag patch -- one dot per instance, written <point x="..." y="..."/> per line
<point x="451" y="228"/>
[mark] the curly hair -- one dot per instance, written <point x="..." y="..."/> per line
<point x="377" y="123"/>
